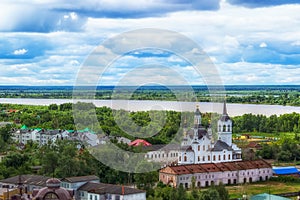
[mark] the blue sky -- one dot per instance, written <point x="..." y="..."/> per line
<point x="46" y="42"/>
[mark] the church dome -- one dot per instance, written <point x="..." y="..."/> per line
<point x="53" y="191"/>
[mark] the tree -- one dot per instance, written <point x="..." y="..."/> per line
<point x="194" y="192"/>
<point x="223" y="193"/>
<point x="210" y="194"/>
<point x="5" y="133"/>
<point x="53" y="107"/>
<point x="181" y="193"/>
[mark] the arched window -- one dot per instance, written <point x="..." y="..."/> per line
<point x="208" y="158"/>
<point x="203" y="158"/>
<point x="179" y="158"/>
<point x="214" y="158"/>
<point x="229" y="157"/>
<point x="219" y="157"/>
<point x="228" y="128"/>
<point x="224" y="157"/>
<point x="198" y="147"/>
<point x="198" y="158"/>
<point x="185" y="159"/>
<point x="50" y="196"/>
<point x="224" y="128"/>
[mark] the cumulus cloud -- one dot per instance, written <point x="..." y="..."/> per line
<point x="263" y="45"/>
<point x="249" y="46"/>
<point x="262" y="3"/>
<point x="20" y="51"/>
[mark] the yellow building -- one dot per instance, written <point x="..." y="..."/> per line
<point x="6" y="193"/>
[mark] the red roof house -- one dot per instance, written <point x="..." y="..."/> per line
<point x="139" y="142"/>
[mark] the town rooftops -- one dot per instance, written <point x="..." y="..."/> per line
<point x="102" y="188"/>
<point x="80" y="179"/>
<point x="215" y="167"/>
<point x="27" y="179"/>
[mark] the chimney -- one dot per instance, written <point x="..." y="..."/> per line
<point x="123" y="190"/>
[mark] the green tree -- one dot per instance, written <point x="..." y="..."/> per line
<point x="223" y="193"/>
<point x="210" y="194"/>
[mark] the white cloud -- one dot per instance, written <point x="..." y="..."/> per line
<point x="226" y="35"/>
<point x="20" y="51"/>
<point x="263" y="45"/>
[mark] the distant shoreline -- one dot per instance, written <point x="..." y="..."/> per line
<point x="144" y="105"/>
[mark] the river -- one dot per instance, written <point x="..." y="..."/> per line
<point x="141" y="105"/>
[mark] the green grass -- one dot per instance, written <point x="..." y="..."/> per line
<point x="262" y="187"/>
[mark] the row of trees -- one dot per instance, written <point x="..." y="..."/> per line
<point x="272" y="124"/>
<point x="163" y="192"/>
<point x="157" y="126"/>
<point x="285" y="150"/>
<point x="286" y="95"/>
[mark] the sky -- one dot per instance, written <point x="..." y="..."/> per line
<point x="48" y="42"/>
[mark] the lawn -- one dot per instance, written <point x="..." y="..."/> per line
<point x="263" y="187"/>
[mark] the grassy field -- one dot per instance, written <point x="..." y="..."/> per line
<point x="263" y="187"/>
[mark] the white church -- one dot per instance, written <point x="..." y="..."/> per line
<point x="199" y="145"/>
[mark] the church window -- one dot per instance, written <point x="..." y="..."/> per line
<point x="228" y="156"/>
<point x="180" y="158"/>
<point x="224" y="128"/>
<point x="219" y="157"/>
<point x="203" y="158"/>
<point x="198" y="147"/>
<point x="203" y="148"/>
<point x="198" y="158"/>
<point x="224" y="157"/>
<point x="208" y="158"/>
<point x="185" y="159"/>
<point x="214" y="158"/>
<point x="228" y="128"/>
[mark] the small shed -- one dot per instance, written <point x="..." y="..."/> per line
<point x="286" y="171"/>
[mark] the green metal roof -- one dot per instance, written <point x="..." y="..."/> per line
<point x="24" y="127"/>
<point x="266" y="196"/>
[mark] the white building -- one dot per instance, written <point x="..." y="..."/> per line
<point x="207" y="174"/>
<point x="73" y="183"/>
<point x="101" y="191"/>
<point x="40" y="136"/>
<point x="43" y="136"/>
<point x="200" y="146"/>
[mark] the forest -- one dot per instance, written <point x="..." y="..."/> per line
<point x="252" y="94"/>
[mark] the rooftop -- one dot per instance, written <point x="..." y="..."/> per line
<point x="216" y="167"/>
<point x="285" y="170"/>
<point x="76" y="179"/>
<point x="102" y="188"/>
<point x="27" y="179"/>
